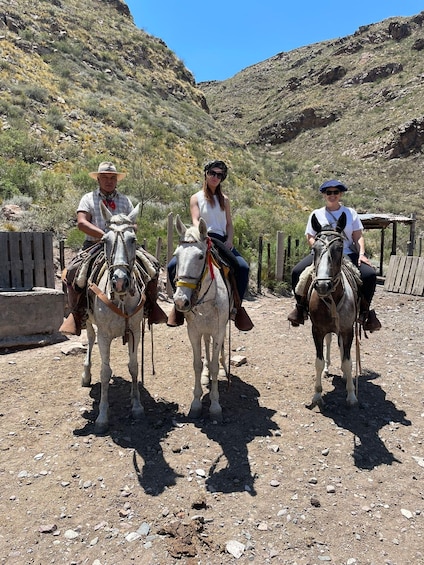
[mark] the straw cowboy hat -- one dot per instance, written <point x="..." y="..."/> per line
<point x="107" y="167"/>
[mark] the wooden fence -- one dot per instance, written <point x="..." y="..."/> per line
<point x="405" y="275"/>
<point x="26" y="260"/>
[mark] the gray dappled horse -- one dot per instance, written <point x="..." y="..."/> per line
<point x="333" y="305"/>
<point x="203" y="294"/>
<point x="115" y="306"/>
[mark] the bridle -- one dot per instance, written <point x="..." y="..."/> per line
<point x="195" y="283"/>
<point x="128" y="264"/>
<point x="334" y="279"/>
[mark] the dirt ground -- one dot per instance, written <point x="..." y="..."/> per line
<point x="276" y="482"/>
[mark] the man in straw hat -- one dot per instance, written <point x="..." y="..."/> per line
<point x="91" y="222"/>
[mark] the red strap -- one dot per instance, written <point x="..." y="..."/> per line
<point x="210" y="264"/>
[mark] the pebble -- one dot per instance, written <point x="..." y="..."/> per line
<point x="331" y="489"/>
<point x="71" y="534"/>
<point x="132" y="536"/>
<point x="144" y="529"/>
<point x="274" y="483"/>
<point x="407" y="513"/>
<point x="235" y="548"/>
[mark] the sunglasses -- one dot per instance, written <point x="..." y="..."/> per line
<point x="330" y="192"/>
<point x="215" y="174"/>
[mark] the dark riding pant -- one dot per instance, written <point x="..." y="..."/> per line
<point x="368" y="275"/>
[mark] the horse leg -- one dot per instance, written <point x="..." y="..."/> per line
<point x="319" y="368"/>
<point x="196" y="405"/>
<point x="205" y="369"/>
<point x="215" y="409"/>
<point x="345" y="347"/>
<point x="223" y="370"/>
<point x="86" y="375"/>
<point x="102" y="421"/>
<point x="327" y="349"/>
<point x="137" y="409"/>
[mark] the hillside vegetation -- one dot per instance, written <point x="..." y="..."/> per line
<point x="79" y="83"/>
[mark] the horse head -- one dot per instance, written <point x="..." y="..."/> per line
<point x="191" y="254"/>
<point x="328" y="255"/>
<point x="120" y="245"/>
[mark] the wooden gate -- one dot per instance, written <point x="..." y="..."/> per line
<point x="405" y="275"/>
<point x="26" y="260"/>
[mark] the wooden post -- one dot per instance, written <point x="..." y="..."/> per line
<point x="169" y="251"/>
<point x="158" y="248"/>
<point x="260" y="249"/>
<point x="279" y="261"/>
<point x="381" y="252"/>
<point x="411" y="242"/>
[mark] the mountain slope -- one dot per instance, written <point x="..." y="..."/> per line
<point x="352" y="107"/>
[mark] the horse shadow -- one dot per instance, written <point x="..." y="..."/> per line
<point x="364" y="421"/>
<point x="244" y="420"/>
<point x="144" y="437"/>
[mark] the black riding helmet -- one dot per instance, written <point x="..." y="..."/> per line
<point x="219" y="165"/>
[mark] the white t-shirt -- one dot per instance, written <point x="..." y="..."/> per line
<point x="326" y="218"/>
<point x="215" y="218"/>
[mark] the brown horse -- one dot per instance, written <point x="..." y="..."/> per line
<point x="333" y="305"/>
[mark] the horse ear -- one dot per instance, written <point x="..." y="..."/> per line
<point x="341" y="224"/>
<point x="315" y="224"/>
<point x="180" y="227"/>
<point x="134" y="214"/>
<point x="203" y="228"/>
<point x="106" y="214"/>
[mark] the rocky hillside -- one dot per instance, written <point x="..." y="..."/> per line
<point x="351" y="107"/>
<point x="80" y="83"/>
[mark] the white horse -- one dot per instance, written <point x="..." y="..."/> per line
<point x="203" y="294"/>
<point x="115" y="306"/>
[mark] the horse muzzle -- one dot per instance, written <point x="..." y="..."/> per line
<point x="323" y="287"/>
<point x="120" y="282"/>
<point x="182" y="300"/>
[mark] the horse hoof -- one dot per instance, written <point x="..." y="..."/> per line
<point x="85" y="381"/>
<point x="138" y="415"/>
<point x="195" y="413"/>
<point x="101" y="428"/>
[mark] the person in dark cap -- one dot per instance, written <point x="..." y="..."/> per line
<point x="211" y="204"/>
<point x="354" y="249"/>
<point x="91" y="222"/>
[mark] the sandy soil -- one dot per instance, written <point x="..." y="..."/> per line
<point x="275" y="483"/>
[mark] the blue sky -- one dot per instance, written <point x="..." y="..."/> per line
<point x="216" y="40"/>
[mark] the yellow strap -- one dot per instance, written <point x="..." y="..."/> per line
<point x="186" y="284"/>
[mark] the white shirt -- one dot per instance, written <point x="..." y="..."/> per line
<point x="215" y="218"/>
<point x="326" y="218"/>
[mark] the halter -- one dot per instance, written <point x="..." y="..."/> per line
<point x="207" y="266"/>
<point x="128" y="267"/>
<point x="129" y="264"/>
<point x="327" y="244"/>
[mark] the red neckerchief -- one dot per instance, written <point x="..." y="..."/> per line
<point x="108" y="200"/>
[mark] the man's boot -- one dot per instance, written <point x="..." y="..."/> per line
<point x="155" y="314"/>
<point x="77" y="312"/>
<point x="175" y="318"/>
<point x="299" y="314"/>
